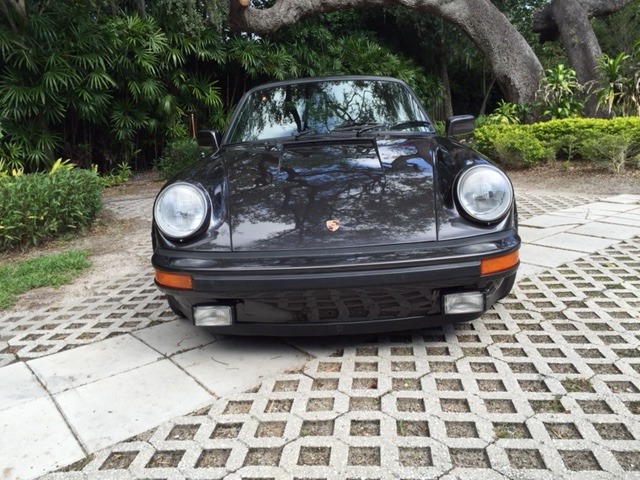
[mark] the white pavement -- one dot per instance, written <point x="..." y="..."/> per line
<point x="67" y="405"/>
<point x="563" y="236"/>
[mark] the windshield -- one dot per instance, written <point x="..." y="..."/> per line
<point x="327" y="106"/>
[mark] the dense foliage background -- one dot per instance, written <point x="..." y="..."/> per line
<point x="110" y="83"/>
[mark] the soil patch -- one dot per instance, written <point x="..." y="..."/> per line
<point x="578" y="177"/>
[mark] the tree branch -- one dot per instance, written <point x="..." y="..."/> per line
<point x="19" y="7"/>
<point x="544" y="24"/>
<point x="516" y="67"/>
<point x="5" y="9"/>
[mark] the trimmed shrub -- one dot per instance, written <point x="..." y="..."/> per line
<point x="564" y="136"/>
<point x="615" y="151"/>
<point x="519" y="148"/>
<point x="38" y="207"/>
<point x="179" y="155"/>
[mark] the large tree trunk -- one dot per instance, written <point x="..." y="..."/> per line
<point x="546" y="25"/>
<point x="568" y="21"/>
<point x="515" y="65"/>
<point x="578" y="38"/>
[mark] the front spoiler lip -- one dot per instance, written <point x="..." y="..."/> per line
<point x="326" y="330"/>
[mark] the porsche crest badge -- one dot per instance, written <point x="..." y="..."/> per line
<point x="332" y="225"/>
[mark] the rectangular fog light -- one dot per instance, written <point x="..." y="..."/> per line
<point x="212" y="316"/>
<point x="465" y="302"/>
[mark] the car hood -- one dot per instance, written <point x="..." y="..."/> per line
<point x="330" y="193"/>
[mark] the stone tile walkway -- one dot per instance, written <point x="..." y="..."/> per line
<point x="545" y="385"/>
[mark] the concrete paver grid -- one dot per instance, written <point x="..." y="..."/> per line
<point x="546" y="385"/>
<point x="438" y="366"/>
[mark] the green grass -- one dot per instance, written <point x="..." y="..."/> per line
<point x="44" y="271"/>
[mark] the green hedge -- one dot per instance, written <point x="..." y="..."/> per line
<point x="179" y="155"/>
<point x="38" y="206"/>
<point x="562" y="136"/>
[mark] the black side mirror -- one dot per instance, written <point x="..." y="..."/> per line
<point x="209" y="138"/>
<point x="459" y="125"/>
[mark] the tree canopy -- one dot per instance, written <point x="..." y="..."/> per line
<point x="107" y="81"/>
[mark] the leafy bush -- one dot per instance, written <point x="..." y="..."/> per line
<point x="559" y="92"/>
<point x="117" y="176"/>
<point x="178" y="156"/>
<point x="37" y="207"/>
<point x="507" y="113"/>
<point x="613" y="150"/>
<point x="521" y="148"/>
<point x="618" y="88"/>
<point x="564" y="136"/>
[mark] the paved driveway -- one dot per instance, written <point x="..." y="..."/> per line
<point x="545" y="385"/>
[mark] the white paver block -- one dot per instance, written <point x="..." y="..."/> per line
<point x="549" y="220"/>
<point x="35" y="440"/>
<point x="99" y="361"/>
<point x="17" y="386"/>
<point x="240" y="363"/>
<point x="116" y="408"/>
<point x="578" y="243"/>
<point x="530" y="234"/>
<point x="546" y="256"/>
<point x="607" y="230"/>
<point x="626" y="199"/>
<point x="174" y="337"/>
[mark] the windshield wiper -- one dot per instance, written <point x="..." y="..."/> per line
<point x="359" y="127"/>
<point x="303" y="133"/>
<point x="410" y="124"/>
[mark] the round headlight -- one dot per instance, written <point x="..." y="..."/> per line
<point x="485" y="193"/>
<point x="180" y="210"/>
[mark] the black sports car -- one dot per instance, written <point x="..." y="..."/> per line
<point x="332" y="206"/>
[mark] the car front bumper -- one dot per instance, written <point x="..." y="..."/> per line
<point x="337" y="292"/>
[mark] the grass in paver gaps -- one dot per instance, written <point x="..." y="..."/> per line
<point x="213" y="458"/>
<point x="364" y="456"/>
<point x="415" y="456"/>
<point x="271" y="429"/>
<point x="563" y="431"/>
<point x="412" y="428"/>
<point x="613" y="431"/>
<point x="547" y="406"/>
<point x="573" y="385"/>
<point x="286" y="386"/>
<point x="579" y="460"/>
<point x="165" y="459"/>
<point x="365" y="428"/>
<point x="183" y="432"/>
<point x="629" y="461"/>
<point x="317" y="428"/>
<point x="226" y="430"/>
<point x="44" y="271"/>
<point x="79" y="465"/>
<point x="511" y="430"/>
<point x="314" y="456"/>
<point x="263" y="456"/>
<point x="119" y="460"/>
<point x="525" y="458"/>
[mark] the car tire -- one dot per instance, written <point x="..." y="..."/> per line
<point x="175" y="306"/>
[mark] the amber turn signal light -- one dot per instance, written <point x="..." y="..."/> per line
<point x="180" y="281"/>
<point x="498" y="264"/>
